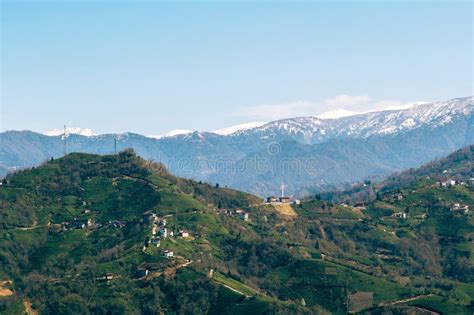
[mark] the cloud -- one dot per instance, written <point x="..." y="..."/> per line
<point x="353" y="103"/>
<point x="300" y="108"/>
<point x="276" y="111"/>
<point x="345" y="101"/>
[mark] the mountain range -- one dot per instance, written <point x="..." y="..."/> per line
<point x="299" y="152"/>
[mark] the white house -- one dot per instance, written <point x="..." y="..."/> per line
<point x="272" y="199"/>
<point x="464" y="209"/>
<point x="242" y="215"/>
<point x="400" y="215"/>
<point x="284" y="199"/>
<point x="168" y="253"/>
<point x="183" y="234"/>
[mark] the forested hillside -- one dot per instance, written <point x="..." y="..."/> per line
<point x="116" y="234"/>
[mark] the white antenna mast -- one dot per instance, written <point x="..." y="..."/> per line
<point x="282" y="189"/>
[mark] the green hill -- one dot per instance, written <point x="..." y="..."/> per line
<point x="77" y="238"/>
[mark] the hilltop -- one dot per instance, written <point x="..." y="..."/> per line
<point x="118" y="234"/>
<point x="457" y="166"/>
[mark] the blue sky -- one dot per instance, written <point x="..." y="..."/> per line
<point x="151" y="67"/>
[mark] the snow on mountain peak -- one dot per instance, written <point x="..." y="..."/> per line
<point x="172" y="133"/>
<point x="337" y="113"/>
<point x="71" y="130"/>
<point x="343" y="123"/>
<point x="233" y="129"/>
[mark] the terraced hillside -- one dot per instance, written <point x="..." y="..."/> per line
<point x="116" y="234"/>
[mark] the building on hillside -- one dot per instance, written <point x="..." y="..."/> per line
<point x="155" y="241"/>
<point x="360" y="205"/>
<point x="116" y="224"/>
<point x="183" y="233"/>
<point x="463" y="209"/>
<point x="163" y="232"/>
<point x="448" y="183"/>
<point x="243" y="215"/>
<point x="400" y="215"/>
<point x="284" y="199"/>
<point x="78" y="224"/>
<point x="109" y="276"/>
<point x="471" y="182"/>
<point x="296" y="202"/>
<point x="168" y="253"/>
<point x="272" y="199"/>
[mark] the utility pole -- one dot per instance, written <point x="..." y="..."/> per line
<point x="115" y="145"/>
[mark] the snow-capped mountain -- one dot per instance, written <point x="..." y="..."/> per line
<point x="337" y="113"/>
<point x="71" y="130"/>
<point x="302" y="152"/>
<point x="172" y="133"/>
<point x="233" y="129"/>
<point x="389" y="122"/>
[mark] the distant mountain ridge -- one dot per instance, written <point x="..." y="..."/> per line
<point x="302" y="152"/>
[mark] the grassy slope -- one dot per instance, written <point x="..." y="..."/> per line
<point x="111" y="193"/>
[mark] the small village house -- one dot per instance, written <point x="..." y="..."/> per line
<point x="272" y="199"/>
<point x="183" y="234"/>
<point x="168" y="253"/>
<point x="400" y="215"/>
<point x="360" y="205"/>
<point x="284" y="199"/>
<point x="155" y="241"/>
<point x="457" y="207"/>
<point x="163" y="232"/>
<point x="109" y="276"/>
<point x="243" y="215"/>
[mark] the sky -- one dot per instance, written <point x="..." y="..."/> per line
<point x="150" y="67"/>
